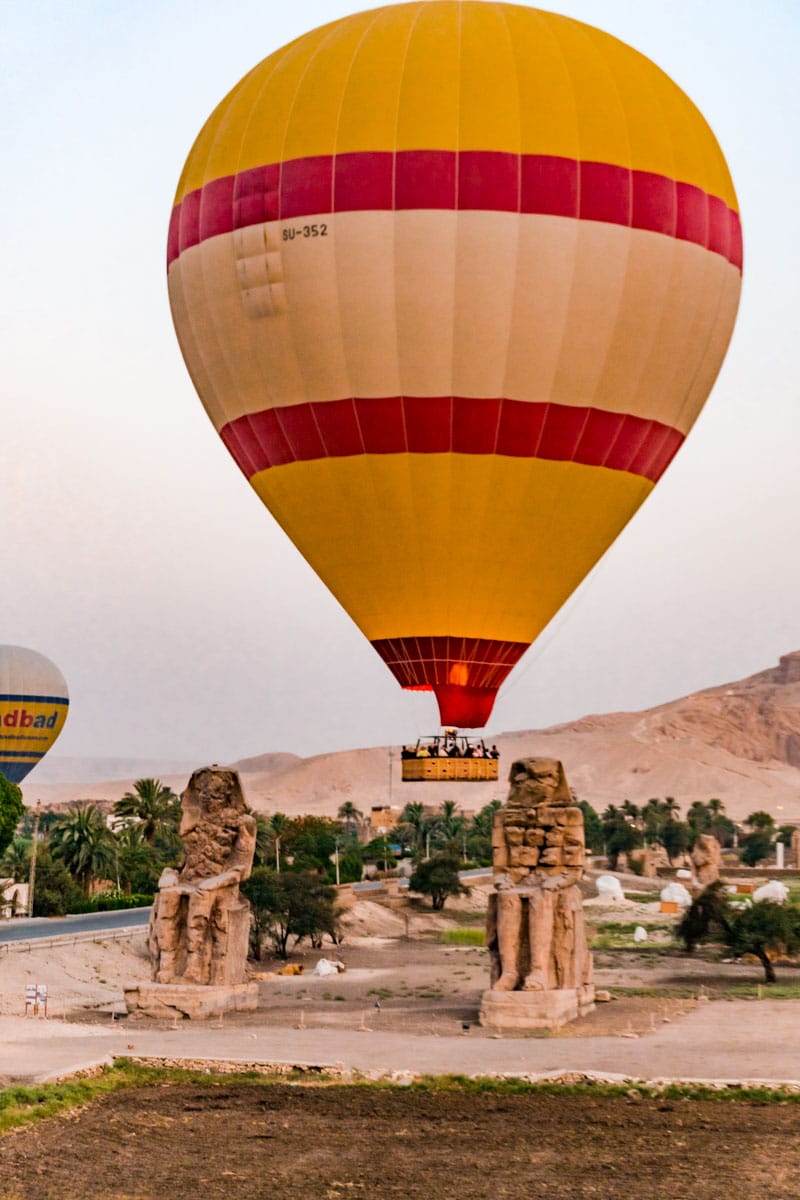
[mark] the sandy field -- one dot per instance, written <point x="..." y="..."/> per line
<point x="400" y="976"/>
<point x="284" y="1142"/>
<point x="406" y="1005"/>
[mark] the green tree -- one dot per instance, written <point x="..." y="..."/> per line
<point x="708" y="915"/>
<point x="155" y="807"/>
<point x="16" y="862"/>
<point x="760" y="820"/>
<point x="619" y="836"/>
<point x="309" y="841"/>
<point x="763" y="929"/>
<point x="84" y="844"/>
<point x="11" y="811"/>
<point x="437" y="877"/>
<point x="675" y="838"/>
<point x="56" y="892"/>
<point x="756" y="846"/>
<point x="785" y="834"/>
<point x="350" y="816"/>
<point x="451" y="821"/>
<point x="351" y="864"/>
<point x="723" y="829"/>
<point x="137" y="864"/>
<point x="289" y="905"/>
<point x="414" y="815"/>
<point x="699" y="820"/>
<point x="592" y="828"/>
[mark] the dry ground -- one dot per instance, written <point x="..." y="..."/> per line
<point x="279" y="1142"/>
<point x="400" y="977"/>
<point x="232" y="1139"/>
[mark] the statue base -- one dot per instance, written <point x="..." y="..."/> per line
<point x="535" y="1010"/>
<point x="186" y="1000"/>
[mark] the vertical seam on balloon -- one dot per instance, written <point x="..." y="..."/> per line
<point x="597" y="48"/>
<point x="500" y="11"/>
<point x="710" y="265"/>
<point x="199" y="340"/>
<point x="406" y="457"/>
<point x="354" y="539"/>
<point x="657" y="324"/>
<point x="296" y="340"/>
<point x="453" y="332"/>
<point x="246" y="124"/>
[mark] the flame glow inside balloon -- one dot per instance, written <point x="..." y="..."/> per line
<point x="33" y="709"/>
<point x="453" y="281"/>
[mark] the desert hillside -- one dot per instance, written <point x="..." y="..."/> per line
<point x="739" y="742"/>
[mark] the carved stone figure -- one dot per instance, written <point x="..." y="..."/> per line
<point x="535" y="928"/>
<point x="796" y="847"/>
<point x="200" y="924"/>
<point x="706" y="859"/>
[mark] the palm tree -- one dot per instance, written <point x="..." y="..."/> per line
<point x="450" y="821"/>
<point x="133" y="856"/>
<point x="631" y="811"/>
<point x="277" y="825"/>
<point x="156" y="808"/>
<point x="16" y="862"/>
<point x="414" y="815"/>
<point x="350" y="815"/>
<point x="82" y="841"/>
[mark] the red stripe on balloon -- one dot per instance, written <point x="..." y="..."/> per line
<point x="451" y="424"/>
<point x="464" y="673"/>
<point x="484" y="180"/>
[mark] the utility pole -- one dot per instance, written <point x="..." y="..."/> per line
<point x="32" y="877"/>
<point x="278" y="853"/>
<point x="390" y="776"/>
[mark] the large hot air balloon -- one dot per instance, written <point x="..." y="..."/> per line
<point x="33" y="708"/>
<point x="453" y="281"/>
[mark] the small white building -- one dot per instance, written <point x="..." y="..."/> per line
<point x="13" y="898"/>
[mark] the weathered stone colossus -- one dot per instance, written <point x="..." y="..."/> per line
<point x="706" y="859"/>
<point x="535" y="928"/>
<point x="200" y="925"/>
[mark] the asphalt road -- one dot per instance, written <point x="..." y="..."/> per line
<point x="23" y="930"/>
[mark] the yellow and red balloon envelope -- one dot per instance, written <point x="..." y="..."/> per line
<point x="453" y="281"/>
<point x="33" y="708"/>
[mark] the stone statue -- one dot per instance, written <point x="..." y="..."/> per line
<point x="706" y="859"/>
<point x="535" y="928"/>
<point x="796" y="847"/>
<point x="200" y="925"/>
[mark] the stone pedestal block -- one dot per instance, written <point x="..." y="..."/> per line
<point x="535" y="1010"/>
<point x="195" y="1002"/>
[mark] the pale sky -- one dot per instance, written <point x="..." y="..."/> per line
<point x="136" y="555"/>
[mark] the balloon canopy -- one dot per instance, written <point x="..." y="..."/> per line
<point x="453" y="281"/>
<point x="33" y="708"/>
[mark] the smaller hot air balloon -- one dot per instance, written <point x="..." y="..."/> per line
<point x="33" y="708"/>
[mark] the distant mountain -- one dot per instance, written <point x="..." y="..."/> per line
<point x="61" y="769"/>
<point x="739" y="742"/>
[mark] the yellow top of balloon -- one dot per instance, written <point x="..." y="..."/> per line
<point x="465" y="75"/>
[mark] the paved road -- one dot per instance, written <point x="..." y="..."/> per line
<point x="47" y="927"/>
<point x="736" y="1040"/>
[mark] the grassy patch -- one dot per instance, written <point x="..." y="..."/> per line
<point x="381" y="993"/>
<point x="20" y="1105"/>
<point x="463" y="937"/>
<point x="588" y="1087"/>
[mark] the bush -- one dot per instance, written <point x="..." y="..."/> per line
<point x="437" y="877"/>
<point x="112" y="902"/>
